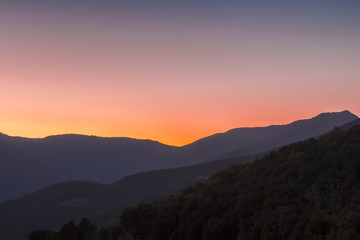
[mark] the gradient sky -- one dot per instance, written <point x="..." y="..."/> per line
<point x="174" y="71"/>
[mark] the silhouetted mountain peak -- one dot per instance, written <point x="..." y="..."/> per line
<point x="345" y="114"/>
<point x="343" y="117"/>
<point x="250" y="140"/>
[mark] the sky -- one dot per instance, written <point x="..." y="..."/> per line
<point x="174" y="71"/>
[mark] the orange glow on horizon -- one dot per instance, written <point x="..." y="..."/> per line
<point x="167" y="132"/>
<point x="174" y="78"/>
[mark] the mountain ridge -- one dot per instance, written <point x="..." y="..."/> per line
<point x="77" y="135"/>
<point x="42" y="162"/>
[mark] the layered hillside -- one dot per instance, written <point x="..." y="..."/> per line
<point x="30" y="164"/>
<point x="307" y="190"/>
<point x="50" y="207"/>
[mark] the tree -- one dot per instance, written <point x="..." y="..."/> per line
<point x="86" y="230"/>
<point x="68" y="231"/>
<point x="39" y="235"/>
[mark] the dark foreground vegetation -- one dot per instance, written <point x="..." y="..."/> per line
<point x="85" y="230"/>
<point x="304" y="191"/>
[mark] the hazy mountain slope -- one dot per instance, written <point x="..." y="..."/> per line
<point x="75" y="157"/>
<point x="306" y="190"/>
<point x="30" y="164"/>
<point x="17" y="170"/>
<point x="56" y="203"/>
<point x="245" y="141"/>
<point x="59" y="203"/>
<point x="351" y="124"/>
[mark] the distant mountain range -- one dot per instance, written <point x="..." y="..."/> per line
<point x="30" y="164"/>
<point x="55" y="205"/>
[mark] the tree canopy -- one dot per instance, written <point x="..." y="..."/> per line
<point x="303" y="191"/>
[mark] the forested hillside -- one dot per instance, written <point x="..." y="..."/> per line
<point x="307" y="190"/>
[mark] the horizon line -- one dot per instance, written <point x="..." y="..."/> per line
<point x="157" y="141"/>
